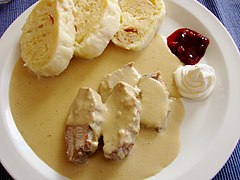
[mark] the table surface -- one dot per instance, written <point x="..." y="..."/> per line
<point x="227" y="11"/>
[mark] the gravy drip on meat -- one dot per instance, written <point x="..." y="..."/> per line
<point x="40" y="107"/>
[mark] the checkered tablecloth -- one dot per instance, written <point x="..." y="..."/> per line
<point x="227" y="11"/>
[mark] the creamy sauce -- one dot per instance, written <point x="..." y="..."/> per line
<point x="126" y="74"/>
<point x="40" y="108"/>
<point x="155" y="102"/>
<point x="122" y="120"/>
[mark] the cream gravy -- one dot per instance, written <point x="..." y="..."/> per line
<point x="40" y="108"/>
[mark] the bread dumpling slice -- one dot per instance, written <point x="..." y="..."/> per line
<point x="139" y="22"/>
<point x="96" y="22"/>
<point x="47" y="40"/>
<point x="155" y="101"/>
<point x="83" y="125"/>
<point x="122" y="121"/>
<point x="126" y="74"/>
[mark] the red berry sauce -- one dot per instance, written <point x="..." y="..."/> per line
<point x="188" y="45"/>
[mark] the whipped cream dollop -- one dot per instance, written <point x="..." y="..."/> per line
<point x="195" y="82"/>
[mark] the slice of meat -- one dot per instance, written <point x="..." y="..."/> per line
<point x="155" y="101"/>
<point x="122" y="121"/>
<point x="127" y="74"/>
<point x="83" y="125"/>
<point x="78" y="141"/>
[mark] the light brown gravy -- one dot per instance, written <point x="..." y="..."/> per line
<point x="40" y="107"/>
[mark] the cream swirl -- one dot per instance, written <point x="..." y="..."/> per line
<point x="195" y="82"/>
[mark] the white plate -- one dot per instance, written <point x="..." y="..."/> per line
<point x="209" y="131"/>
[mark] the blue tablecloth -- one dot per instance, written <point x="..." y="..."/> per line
<point x="227" y="11"/>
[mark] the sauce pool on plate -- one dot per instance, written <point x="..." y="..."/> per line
<point x="40" y="108"/>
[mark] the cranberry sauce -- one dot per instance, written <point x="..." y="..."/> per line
<point x="188" y="45"/>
